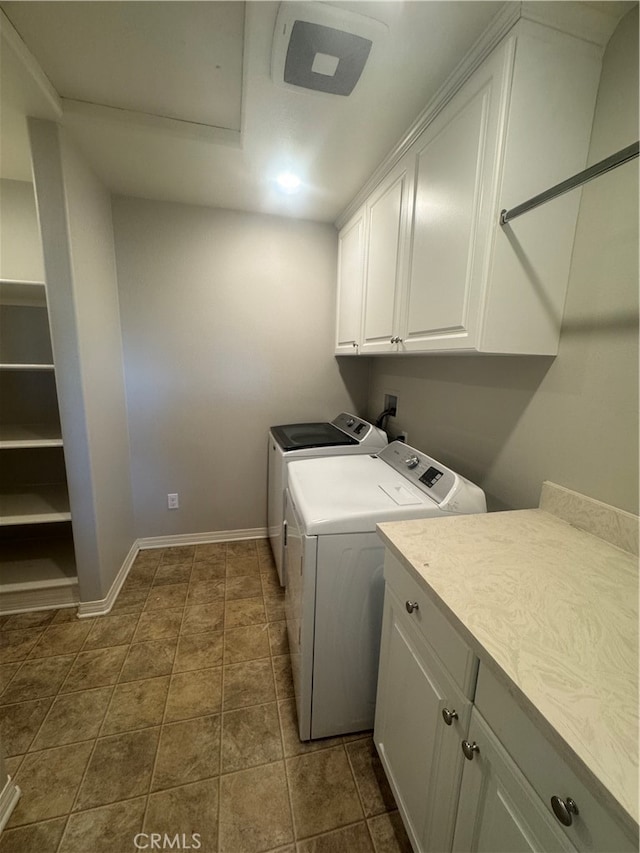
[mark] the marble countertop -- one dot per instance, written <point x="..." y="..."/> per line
<point x="553" y="610"/>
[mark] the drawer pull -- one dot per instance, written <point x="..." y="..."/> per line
<point x="469" y="749"/>
<point x="449" y="716"/>
<point x="564" y="810"/>
<point x="411" y="606"/>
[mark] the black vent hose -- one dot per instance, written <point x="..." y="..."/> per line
<point x="382" y="417"/>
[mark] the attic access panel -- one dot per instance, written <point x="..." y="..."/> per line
<point x="325" y="59"/>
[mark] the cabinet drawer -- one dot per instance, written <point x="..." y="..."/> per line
<point x="455" y="654"/>
<point x="594" y="828"/>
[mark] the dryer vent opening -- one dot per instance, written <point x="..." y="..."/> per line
<point x="322" y="48"/>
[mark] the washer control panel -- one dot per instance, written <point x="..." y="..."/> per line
<point x="426" y="473"/>
<point x="357" y="428"/>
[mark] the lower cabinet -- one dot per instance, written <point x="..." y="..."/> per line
<point x="498" y="811"/>
<point x="421" y="718"/>
<point x="469" y="769"/>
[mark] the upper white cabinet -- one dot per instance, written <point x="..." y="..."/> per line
<point x="440" y="273"/>
<point x="454" y="164"/>
<point x="387" y="224"/>
<point x="350" y="284"/>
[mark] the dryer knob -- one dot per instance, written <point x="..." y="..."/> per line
<point x="351" y="422"/>
<point x="411" y="461"/>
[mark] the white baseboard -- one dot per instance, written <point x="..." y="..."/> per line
<point x="9" y="797"/>
<point x="102" y="607"/>
<point x="201" y="538"/>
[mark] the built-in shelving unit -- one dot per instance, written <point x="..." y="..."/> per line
<point x="37" y="561"/>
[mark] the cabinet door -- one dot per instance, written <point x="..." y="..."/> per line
<point x="455" y="162"/>
<point x="350" y="284"/>
<point x="499" y="812"/>
<point x="419" y="751"/>
<point x="386" y="253"/>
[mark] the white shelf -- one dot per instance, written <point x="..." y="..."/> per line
<point x="29" y="564"/>
<point x="38" y="574"/>
<point x="18" y="292"/>
<point x="34" y="505"/>
<point x="26" y="366"/>
<point x="14" y="436"/>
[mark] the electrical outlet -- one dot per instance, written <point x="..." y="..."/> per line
<point x="403" y="436"/>
<point x="172" y="501"/>
<point x="391" y="402"/>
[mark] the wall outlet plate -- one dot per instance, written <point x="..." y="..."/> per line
<point x="172" y="501"/>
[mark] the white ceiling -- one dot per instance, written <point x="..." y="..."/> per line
<point x="174" y="100"/>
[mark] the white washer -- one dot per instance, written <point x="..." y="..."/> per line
<point x="345" y="434"/>
<point x="335" y="585"/>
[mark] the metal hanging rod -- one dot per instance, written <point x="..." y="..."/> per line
<point x="589" y="174"/>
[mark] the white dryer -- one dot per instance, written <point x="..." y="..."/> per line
<point x="345" y="434"/>
<point x="335" y="585"/>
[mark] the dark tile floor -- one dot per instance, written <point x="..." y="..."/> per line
<point x="175" y="714"/>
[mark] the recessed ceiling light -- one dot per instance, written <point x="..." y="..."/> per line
<point x="288" y="182"/>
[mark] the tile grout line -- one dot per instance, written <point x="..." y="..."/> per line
<point x="166" y="701"/>
<point x="266" y="586"/>
<point x="360" y="796"/>
<point x="28" y="657"/>
<point x="95" y="742"/>
<point x="129" y="644"/>
<point x="53" y="698"/>
<point x="224" y="646"/>
<point x="281" y="729"/>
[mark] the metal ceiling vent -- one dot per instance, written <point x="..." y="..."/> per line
<point x="321" y="47"/>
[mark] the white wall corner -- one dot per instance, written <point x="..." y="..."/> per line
<point x="102" y="607"/>
<point x="12" y="41"/>
<point x="591" y="22"/>
<point x="9" y="797"/>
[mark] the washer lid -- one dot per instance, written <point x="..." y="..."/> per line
<point x="301" y="436"/>
<point x="351" y="494"/>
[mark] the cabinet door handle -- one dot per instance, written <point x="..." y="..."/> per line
<point x="469" y="749"/>
<point x="564" y="810"/>
<point x="411" y="606"/>
<point x="284" y="533"/>
<point x="449" y="716"/>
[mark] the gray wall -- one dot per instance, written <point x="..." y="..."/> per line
<point x="227" y="323"/>
<point x="20" y="249"/>
<point x="510" y="423"/>
<point x="77" y="236"/>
